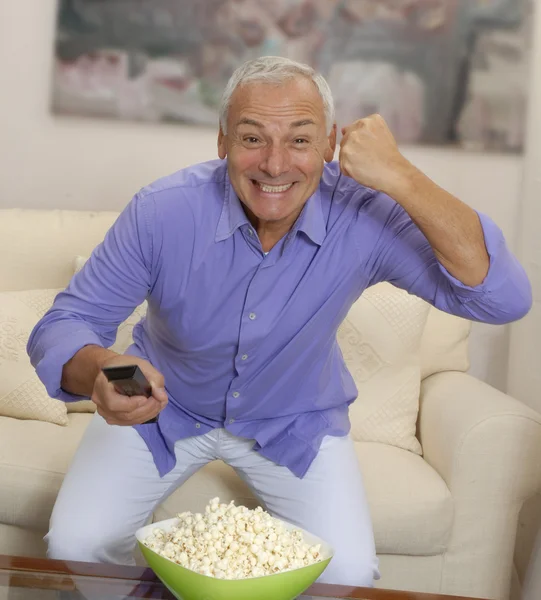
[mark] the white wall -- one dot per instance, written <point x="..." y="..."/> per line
<point x="53" y="162"/>
<point x="525" y="356"/>
<point x="525" y="364"/>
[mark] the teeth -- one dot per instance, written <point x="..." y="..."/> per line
<point x="274" y="188"/>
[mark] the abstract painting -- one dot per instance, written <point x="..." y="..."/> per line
<point x="446" y="72"/>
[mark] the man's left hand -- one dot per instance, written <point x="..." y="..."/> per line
<point x="369" y="154"/>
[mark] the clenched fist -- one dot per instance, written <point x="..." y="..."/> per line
<point x="369" y="154"/>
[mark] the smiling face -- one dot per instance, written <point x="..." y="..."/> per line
<point x="276" y="146"/>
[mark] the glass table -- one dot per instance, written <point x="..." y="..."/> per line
<point x="41" y="579"/>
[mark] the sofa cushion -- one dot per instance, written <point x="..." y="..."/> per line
<point x="22" y="395"/>
<point x="34" y="457"/>
<point x="444" y="346"/>
<point x="38" y="246"/>
<point x="411" y="506"/>
<point x="380" y="340"/>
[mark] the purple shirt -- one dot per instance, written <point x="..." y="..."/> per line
<point x="247" y="341"/>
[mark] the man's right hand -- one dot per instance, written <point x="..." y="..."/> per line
<point x="118" y="409"/>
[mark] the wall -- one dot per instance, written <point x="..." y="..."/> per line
<point x="525" y="358"/>
<point x="51" y="162"/>
<point x="525" y="364"/>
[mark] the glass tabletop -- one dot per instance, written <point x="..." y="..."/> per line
<point x="46" y="586"/>
<point x="17" y="585"/>
<point x="42" y="579"/>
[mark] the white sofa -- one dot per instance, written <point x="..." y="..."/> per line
<point x="444" y="521"/>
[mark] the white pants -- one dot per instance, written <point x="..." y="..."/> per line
<point x="112" y="487"/>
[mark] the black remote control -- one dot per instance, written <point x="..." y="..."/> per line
<point x="129" y="380"/>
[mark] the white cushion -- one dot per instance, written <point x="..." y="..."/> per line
<point x="38" y="246"/>
<point x="82" y="406"/>
<point x="34" y="457"/>
<point x="444" y="345"/>
<point x="410" y="504"/>
<point x="22" y="395"/>
<point x="380" y="340"/>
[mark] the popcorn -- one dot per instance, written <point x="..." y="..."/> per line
<point x="233" y="542"/>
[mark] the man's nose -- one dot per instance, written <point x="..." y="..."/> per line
<point x="275" y="160"/>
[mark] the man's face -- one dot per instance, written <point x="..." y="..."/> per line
<point x="276" y="146"/>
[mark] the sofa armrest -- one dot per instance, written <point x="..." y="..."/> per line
<point x="487" y="448"/>
<point x="478" y="437"/>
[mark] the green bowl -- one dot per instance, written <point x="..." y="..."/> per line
<point x="185" y="584"/>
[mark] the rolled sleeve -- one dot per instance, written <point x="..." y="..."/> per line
<point x="49" y="364"/>
<point x="506" y="288"/>
<point x="403" y="256"/>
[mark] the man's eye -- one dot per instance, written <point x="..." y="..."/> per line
<point x="251" y="140"/>
<point x="300" y="141"/>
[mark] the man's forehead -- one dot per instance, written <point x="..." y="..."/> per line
<point x="293" y="101"/>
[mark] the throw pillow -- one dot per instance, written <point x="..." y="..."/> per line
<point x="22" y="395"/>
<point x="444" y="346"/>
<point x="380" y="340"/>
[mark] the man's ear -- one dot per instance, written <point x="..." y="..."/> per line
<point x="329" y="151"/>
<point x="222" y="150"/>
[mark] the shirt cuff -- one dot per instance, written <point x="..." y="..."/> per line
<point x="500" y="258"/>
<point x="49" y="366"/>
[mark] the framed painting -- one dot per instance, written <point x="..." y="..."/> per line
<point x="440" y="71"/>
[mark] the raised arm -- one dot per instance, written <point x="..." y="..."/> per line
<point x="429" y="242"/>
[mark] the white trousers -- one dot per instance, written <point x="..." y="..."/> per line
<point x="113" y="486"/>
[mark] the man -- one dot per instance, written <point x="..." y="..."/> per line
<point x="249" y="265"/>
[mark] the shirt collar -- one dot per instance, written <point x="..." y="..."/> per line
<point x="310" y="221"/>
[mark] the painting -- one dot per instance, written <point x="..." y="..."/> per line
<point x="441" y="72"/>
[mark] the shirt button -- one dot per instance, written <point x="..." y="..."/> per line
<point x="236" y="394"/>
<point x="252" y="316"/>
<point x="198" y="425"/>
<point x="244" y="356"/>
<point x="250" y="231"/>
<point x="231" y="421"/>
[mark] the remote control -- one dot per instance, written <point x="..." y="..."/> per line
<point x="129" y="380"/>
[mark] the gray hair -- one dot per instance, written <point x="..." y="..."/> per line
<point x="275" y="70"/>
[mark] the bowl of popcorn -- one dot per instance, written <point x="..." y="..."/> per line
<point x="229" y="552"/>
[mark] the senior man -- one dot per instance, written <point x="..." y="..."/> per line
<point x="249" y="264"/>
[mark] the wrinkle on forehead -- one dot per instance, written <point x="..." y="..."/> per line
<point x="268" y="102"/>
